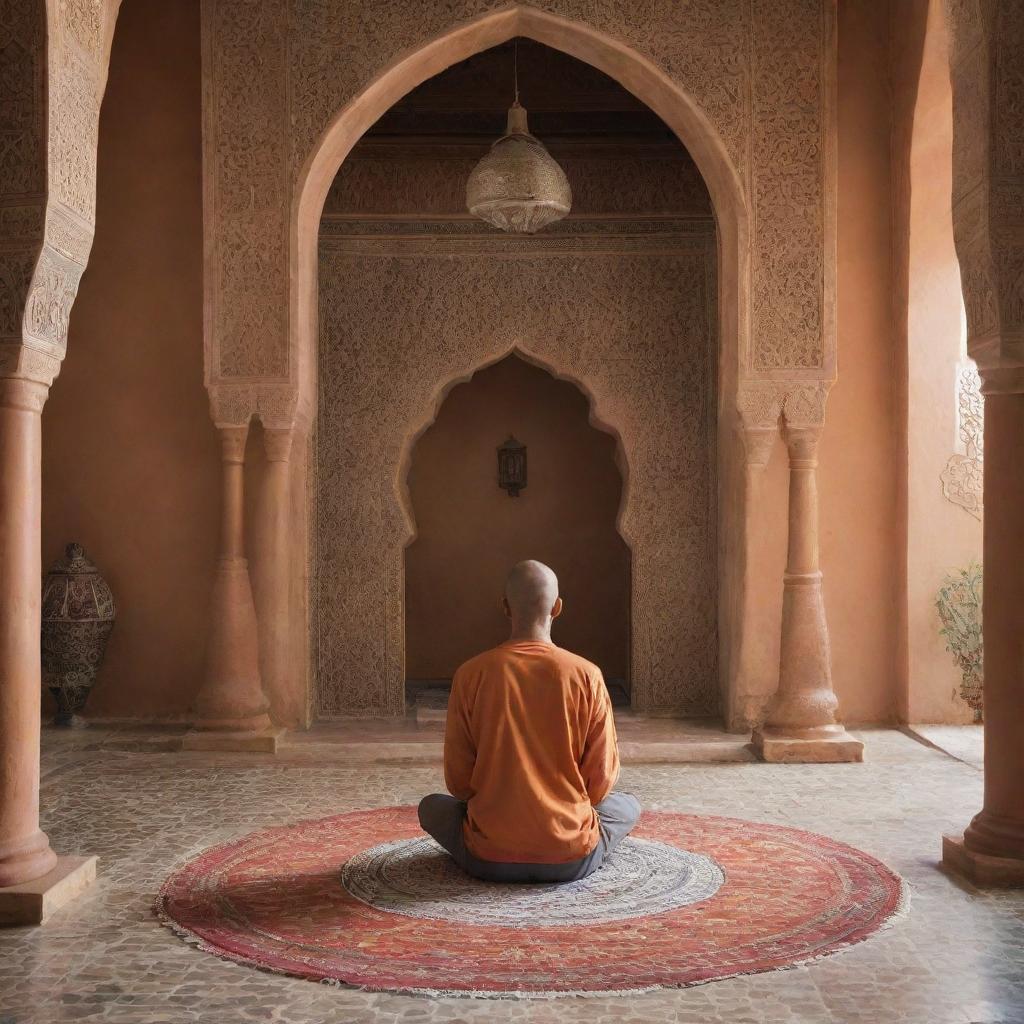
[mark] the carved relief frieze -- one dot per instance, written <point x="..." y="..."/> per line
<point x="963" y="475"/>
<point x="762" y="403"/>
<point x="69" y="235"/>
<point x="16" y="266"/>
<point x="48" y="308"/>
<point x="803" y="405"/>
<point x="17" y="360"/>
<point x="74" y="132"/>
<point x="234" y="405"/>
<point x="430" y="181"/>
<point x="403" y="318"/>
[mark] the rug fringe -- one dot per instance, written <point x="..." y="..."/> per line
<point x="899" y="914"/>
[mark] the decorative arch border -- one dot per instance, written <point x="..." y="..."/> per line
<point x="632" y="70"/>
<point x="416" y="431"/>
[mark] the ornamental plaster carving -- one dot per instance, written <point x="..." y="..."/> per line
<point x="402" y="318"/>
<point x="53" y="65"/>
<point x="278" y="74"/>
<point x="430" y="180"/>
<point x="234" y="405"/>
<point x="761" y="404"/>
<point x="988" y="190"/>
<point x="963" y="475"/>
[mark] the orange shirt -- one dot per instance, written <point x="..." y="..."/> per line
<point x="530" y="745"/>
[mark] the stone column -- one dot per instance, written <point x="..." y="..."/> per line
<point x="750" y="670"/>
<point x="231" y="708"/>
<point x="801" y="723"/>
<point x="25" y="853"/>
<point x="991" y="850"/>
<point x="271" y="575"/>
<point x="34" y="881"/>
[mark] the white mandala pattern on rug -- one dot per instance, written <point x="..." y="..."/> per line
<point x="416" y="878"/>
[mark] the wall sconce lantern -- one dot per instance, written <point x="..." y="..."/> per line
<point x="512" y="466"/>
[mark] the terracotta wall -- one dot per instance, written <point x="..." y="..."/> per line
<point x="861" y="543"/>
<point x="130" y="458"/>
<point x="943" y="535"/>
<point x="469" y="531"/>
<point x="131" y="462"/>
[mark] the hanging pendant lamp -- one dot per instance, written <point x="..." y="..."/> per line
<point x="518" y="186"/>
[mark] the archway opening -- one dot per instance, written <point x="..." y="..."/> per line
<point x="944" y="414"/>
<point x="620" y="297"/>
<point x="469" y="531"/>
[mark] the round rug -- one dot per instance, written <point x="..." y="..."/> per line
<point x="364" y="899"/>
<point x="417" y="878"/>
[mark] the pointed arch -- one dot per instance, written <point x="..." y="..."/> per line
<point x="630" y="69"/>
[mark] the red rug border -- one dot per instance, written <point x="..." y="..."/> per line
<point x="895" y="908"/>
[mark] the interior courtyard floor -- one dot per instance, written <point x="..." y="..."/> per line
<point x="958" y="955"/>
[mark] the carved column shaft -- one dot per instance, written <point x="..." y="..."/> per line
<point x="25" y="852"/>
<point x="232" y="698"/>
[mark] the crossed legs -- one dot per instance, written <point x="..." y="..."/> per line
<point x="441" y="816"/>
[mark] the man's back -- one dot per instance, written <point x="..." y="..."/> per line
<point x="530" y="744"/>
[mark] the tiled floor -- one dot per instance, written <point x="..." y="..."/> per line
<point x="957" y="957"/>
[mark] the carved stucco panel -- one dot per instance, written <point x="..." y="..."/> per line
<point x="22" y="156"/>
<point x="277" y="75"/>
<point x="401" y="322"/>
<point x="338" y="48"/>
<point x="988" y="166"/>
<point x="74" y="134"/>
<point x="963" y="476"/>
<point x="53" y="66"/>
<point x="51" y="296"/>
<point x="247" y="148"/>
<point x="789" y="139"/>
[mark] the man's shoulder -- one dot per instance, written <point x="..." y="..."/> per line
<point x="479" y="662"/>
<point x="577" y="663"/>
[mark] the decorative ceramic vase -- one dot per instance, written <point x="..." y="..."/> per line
<point x="78" y="615"/>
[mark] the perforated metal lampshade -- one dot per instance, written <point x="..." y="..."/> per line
<point x="517" y="186"/>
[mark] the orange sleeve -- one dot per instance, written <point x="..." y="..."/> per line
<point x="599" y="765"/>
<point x="459" y="748"/>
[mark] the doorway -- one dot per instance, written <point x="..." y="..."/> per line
<point x="469" y="531"/>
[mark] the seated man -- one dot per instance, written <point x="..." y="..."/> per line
<point x="530" y="754"/>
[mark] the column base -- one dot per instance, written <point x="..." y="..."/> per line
<point x="256" y="741"/>
<point x="981" y="868"/>
<point x="31" y="903"/>
<point x="829" y="744"/>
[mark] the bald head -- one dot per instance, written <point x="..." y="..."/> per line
<point x="531" y="594"/>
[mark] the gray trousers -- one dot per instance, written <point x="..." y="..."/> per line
<point x="441" y="816"/>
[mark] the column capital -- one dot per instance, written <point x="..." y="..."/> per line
<point x="26" y="395"/>
<point x="277" y="443"/>
<point x="20" y="362"/>
<point x="757" y="444"/>
<point x="232" y="442"/>
<point x="802" y="444"/>
<point x="1002" y="380"/>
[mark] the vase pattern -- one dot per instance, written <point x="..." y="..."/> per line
<point x="78" y="615"/>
